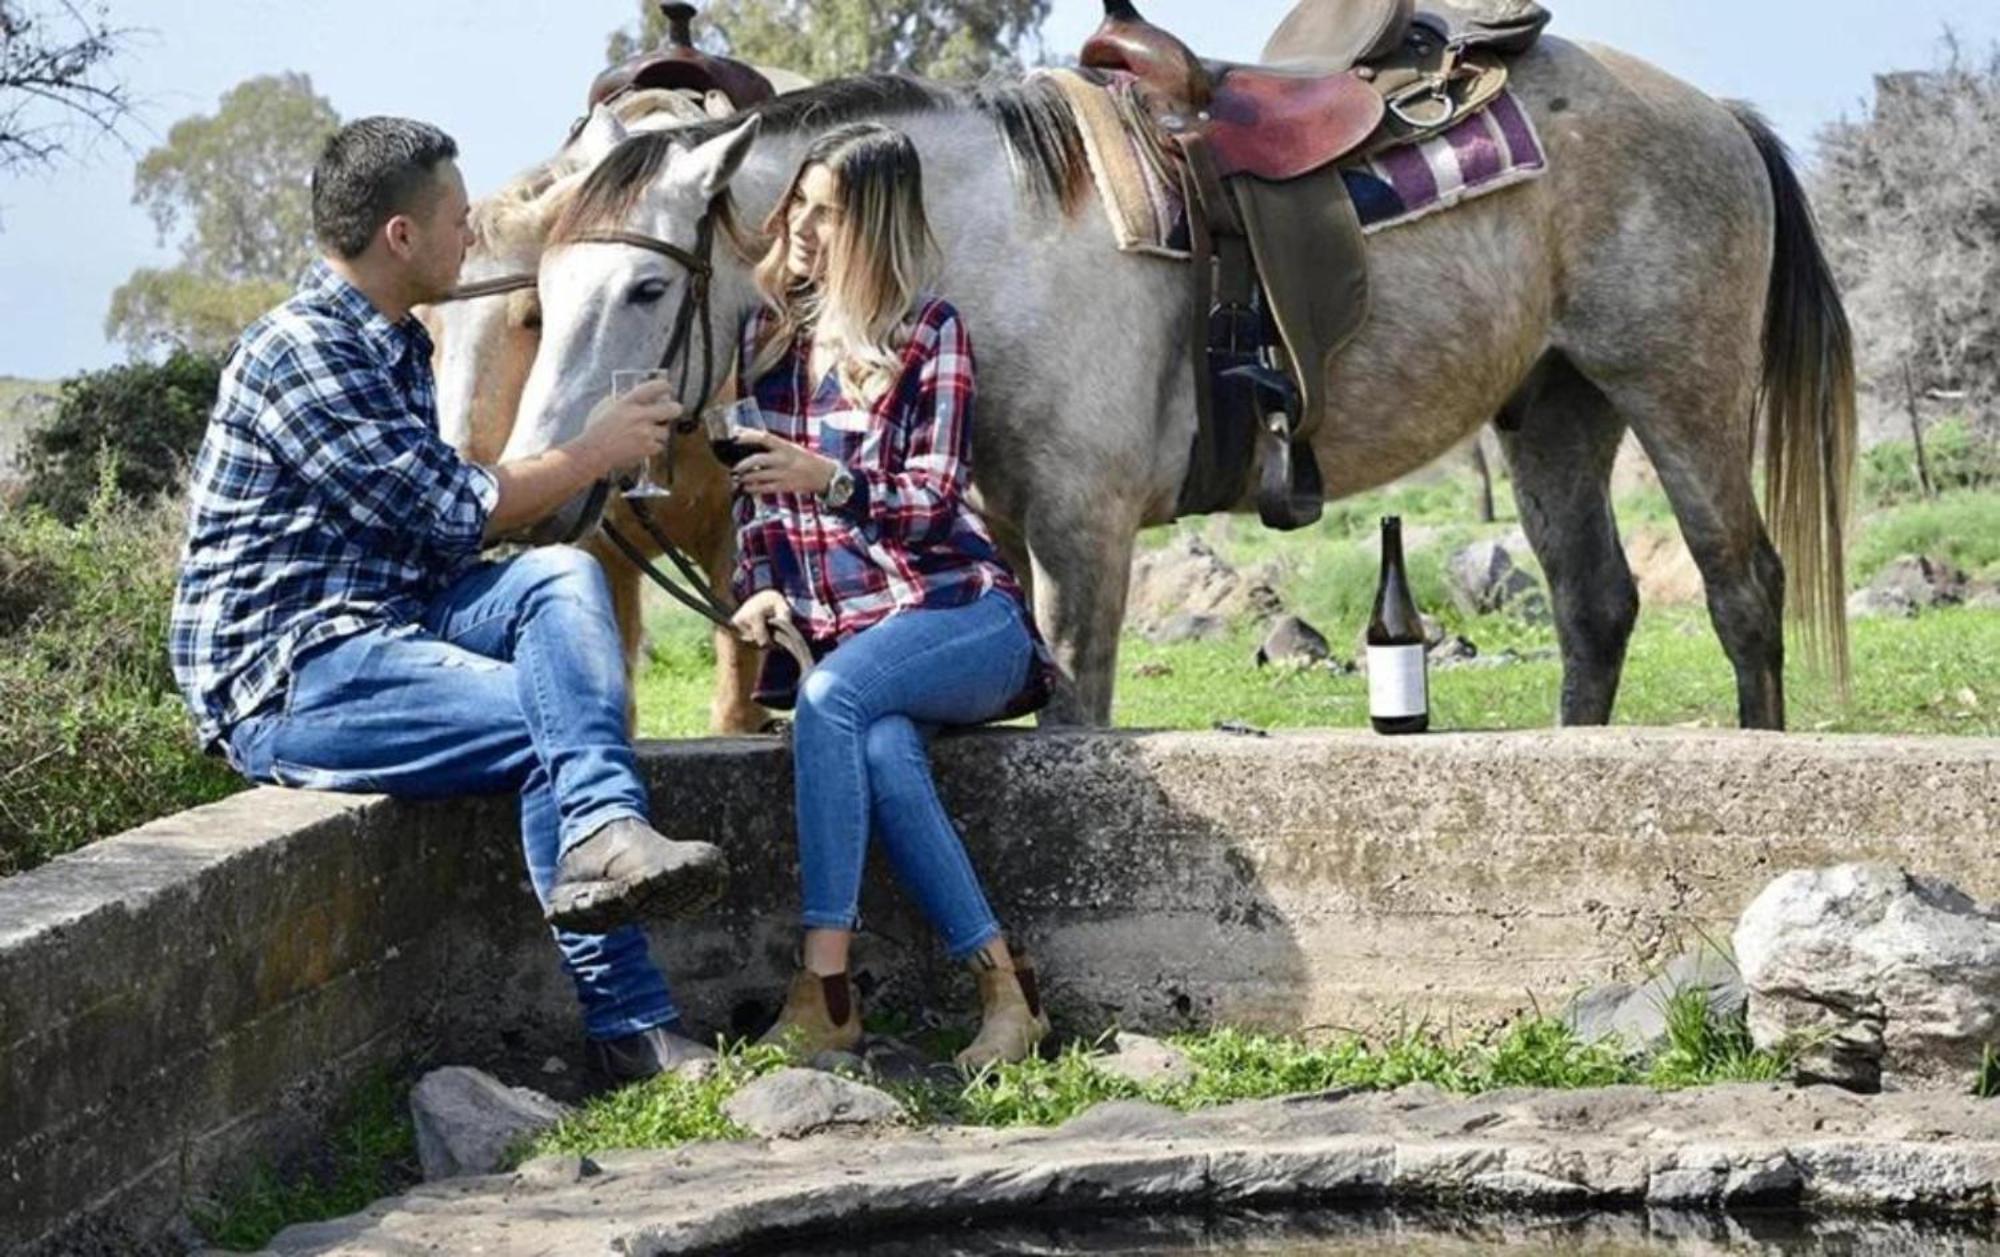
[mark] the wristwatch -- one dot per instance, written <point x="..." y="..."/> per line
<point x="839" y="489"/>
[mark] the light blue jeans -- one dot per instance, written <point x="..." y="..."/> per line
<point x="861" y="765"/>
<point x="513" y="681"/>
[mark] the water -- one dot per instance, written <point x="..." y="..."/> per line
<point x="1432" y="1233"/>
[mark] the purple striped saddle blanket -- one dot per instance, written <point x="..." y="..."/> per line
<point x="1494" y="149"/>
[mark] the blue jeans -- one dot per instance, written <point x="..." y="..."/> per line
<point x="860" y="762"/>
<point x="514" y="680"/>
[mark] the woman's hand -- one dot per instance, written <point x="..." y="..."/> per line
<point x="753" y="620"/>
<point x="780" y="466"/>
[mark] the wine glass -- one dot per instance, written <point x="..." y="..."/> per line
<point x="721" y="423"/>
<point x="623" y="382"/>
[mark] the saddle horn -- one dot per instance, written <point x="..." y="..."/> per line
<point x="1128" y="43"/>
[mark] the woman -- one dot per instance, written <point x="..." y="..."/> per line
<point x="857" y="398"/>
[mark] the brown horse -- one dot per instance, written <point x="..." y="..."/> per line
<point x="1664" y="277"/>
<point x="485" y="345"/>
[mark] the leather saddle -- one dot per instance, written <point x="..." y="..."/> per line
<point x="1280" y="264"/>
<point x="678" y="65"/>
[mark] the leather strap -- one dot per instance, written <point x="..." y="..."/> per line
<point x="488" y="288"/>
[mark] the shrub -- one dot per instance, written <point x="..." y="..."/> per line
<point x="147" y="417"/>
<point x="93" y="736"/>
<point x="1959" y="458"/>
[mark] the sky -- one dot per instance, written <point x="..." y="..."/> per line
<point x="506" y="77"/>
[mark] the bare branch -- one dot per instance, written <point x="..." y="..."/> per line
<point x="55" y="80"/>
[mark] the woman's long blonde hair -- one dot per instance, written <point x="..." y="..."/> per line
<point x="881" y="257"/>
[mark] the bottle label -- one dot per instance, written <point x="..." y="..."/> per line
<point x="1396" y="682"/>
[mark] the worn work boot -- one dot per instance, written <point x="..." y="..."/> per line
<point x="626" y="871"/>
<point x="1011" y="1021"/>
<point x="820" y="1015"/>
<point x="633" y="1057"/>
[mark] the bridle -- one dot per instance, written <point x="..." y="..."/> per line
<point x="695" y="311"/>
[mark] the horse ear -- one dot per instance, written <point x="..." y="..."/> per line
<point x="720" y="158"/>
<point x="601" y="132"/>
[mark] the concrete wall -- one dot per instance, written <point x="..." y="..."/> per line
<point x="182" y="998"/>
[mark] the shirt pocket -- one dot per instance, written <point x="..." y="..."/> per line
<point x="851" y="437"/>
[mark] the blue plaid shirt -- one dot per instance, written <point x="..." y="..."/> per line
<point x="323" y="503"/>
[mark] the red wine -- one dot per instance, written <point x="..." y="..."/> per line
<point x="732" y="451"/>
<point x="1399" y="698"/>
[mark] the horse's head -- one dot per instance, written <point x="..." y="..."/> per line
<point x="486" y="337"/>
<point x="609" y="304"/>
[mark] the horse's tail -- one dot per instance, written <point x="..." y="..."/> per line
<point x="1807" y="406"/>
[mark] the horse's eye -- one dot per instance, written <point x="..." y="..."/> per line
<point x="531" y="318"/>
<point x="647" y="291"/>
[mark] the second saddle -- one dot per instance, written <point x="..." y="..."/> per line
<point x="1280" y="265"/>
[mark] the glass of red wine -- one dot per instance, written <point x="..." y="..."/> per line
<point x="725" y="423"/>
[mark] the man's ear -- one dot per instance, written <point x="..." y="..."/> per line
<point x="399" y="233"/>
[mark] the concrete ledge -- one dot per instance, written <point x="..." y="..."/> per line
<point x="179" y="998"/>
<point x="1727" y="1147"/>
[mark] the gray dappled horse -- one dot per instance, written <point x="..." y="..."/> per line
<point x="1664" y="277"/>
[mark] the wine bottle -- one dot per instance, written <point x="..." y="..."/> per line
<point x="1399" y="697"/>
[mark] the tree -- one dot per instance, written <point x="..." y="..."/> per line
<point x="54" y="80"/>
<point x="1909" y="201"/>
<point x="234" y="187"/>
<point x="823" y="39"/>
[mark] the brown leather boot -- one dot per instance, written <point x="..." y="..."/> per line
<point x="820" y="1015"/>
<point x="1011" y="1021"/>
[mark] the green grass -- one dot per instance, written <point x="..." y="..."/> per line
<point x="1931" y="675"/>
<point x="371" y="1154"/>
<point x="1230" y="1065"/>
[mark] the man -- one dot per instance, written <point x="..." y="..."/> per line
<point x="336" y="629"/>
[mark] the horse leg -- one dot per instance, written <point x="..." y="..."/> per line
<point x="1561" y="443"/>
<point x="733" y="708"/>
<point x="1081" y="570"/>
<point x="1704" y="466"/>
<point x="623" y="579"/>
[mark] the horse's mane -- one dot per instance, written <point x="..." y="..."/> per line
<point x="521" y="211"/>
<point x="1040" y="128"/>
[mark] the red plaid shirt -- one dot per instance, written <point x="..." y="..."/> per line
<point x="908" y="537"/>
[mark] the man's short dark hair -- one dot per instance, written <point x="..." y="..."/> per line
<point x="370" y="171"/>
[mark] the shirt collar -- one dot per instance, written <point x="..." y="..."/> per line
<point x="324" y="286"/>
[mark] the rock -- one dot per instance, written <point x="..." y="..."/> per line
<point x="1187" y="578"/>
<point x="1984" y="596"/>
<point x="1154" y="671"/>
<point x="1146" y="1061"/>
<point x="468" y="1120"/>
<point x="1889" y="976"/>
<point x="846" y="1064"/>
<point x="556" y="1170"/>
<point x="1869" y="604"/>
<point x="1453" y="651"/>
<point x="793" y="1103"/>
<point x="554" y="1065"/>
<point x="1189" y="626"/>
<point x="1925" y="581"/>
<point x="1484" y="578"/>
<point x="1638" y="1015"/>
<point x="1293" y="641"/>
<point x="891" y="1060"/>
<point x="1909" y="584"/>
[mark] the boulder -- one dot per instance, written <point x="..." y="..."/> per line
<point x="1908" y="584"/>
<point x="1188" y="626"/>
<point x="1293" y="641"/>
<point x="793" y="1103"/>
<point x="1146" y="1061"/>
<point x="467" y="1120"/>
<point x="1885" y="976"/>
<point x="1638" y="1015"/>
<point x="1484" y="578"/>
<point x="1185" y="580"/>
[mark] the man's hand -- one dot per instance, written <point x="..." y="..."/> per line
<point x="754" y="618"/>
<point x="780" y="466"/>
<point x="621" y="432"/>
<point x="626" y="430"/>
